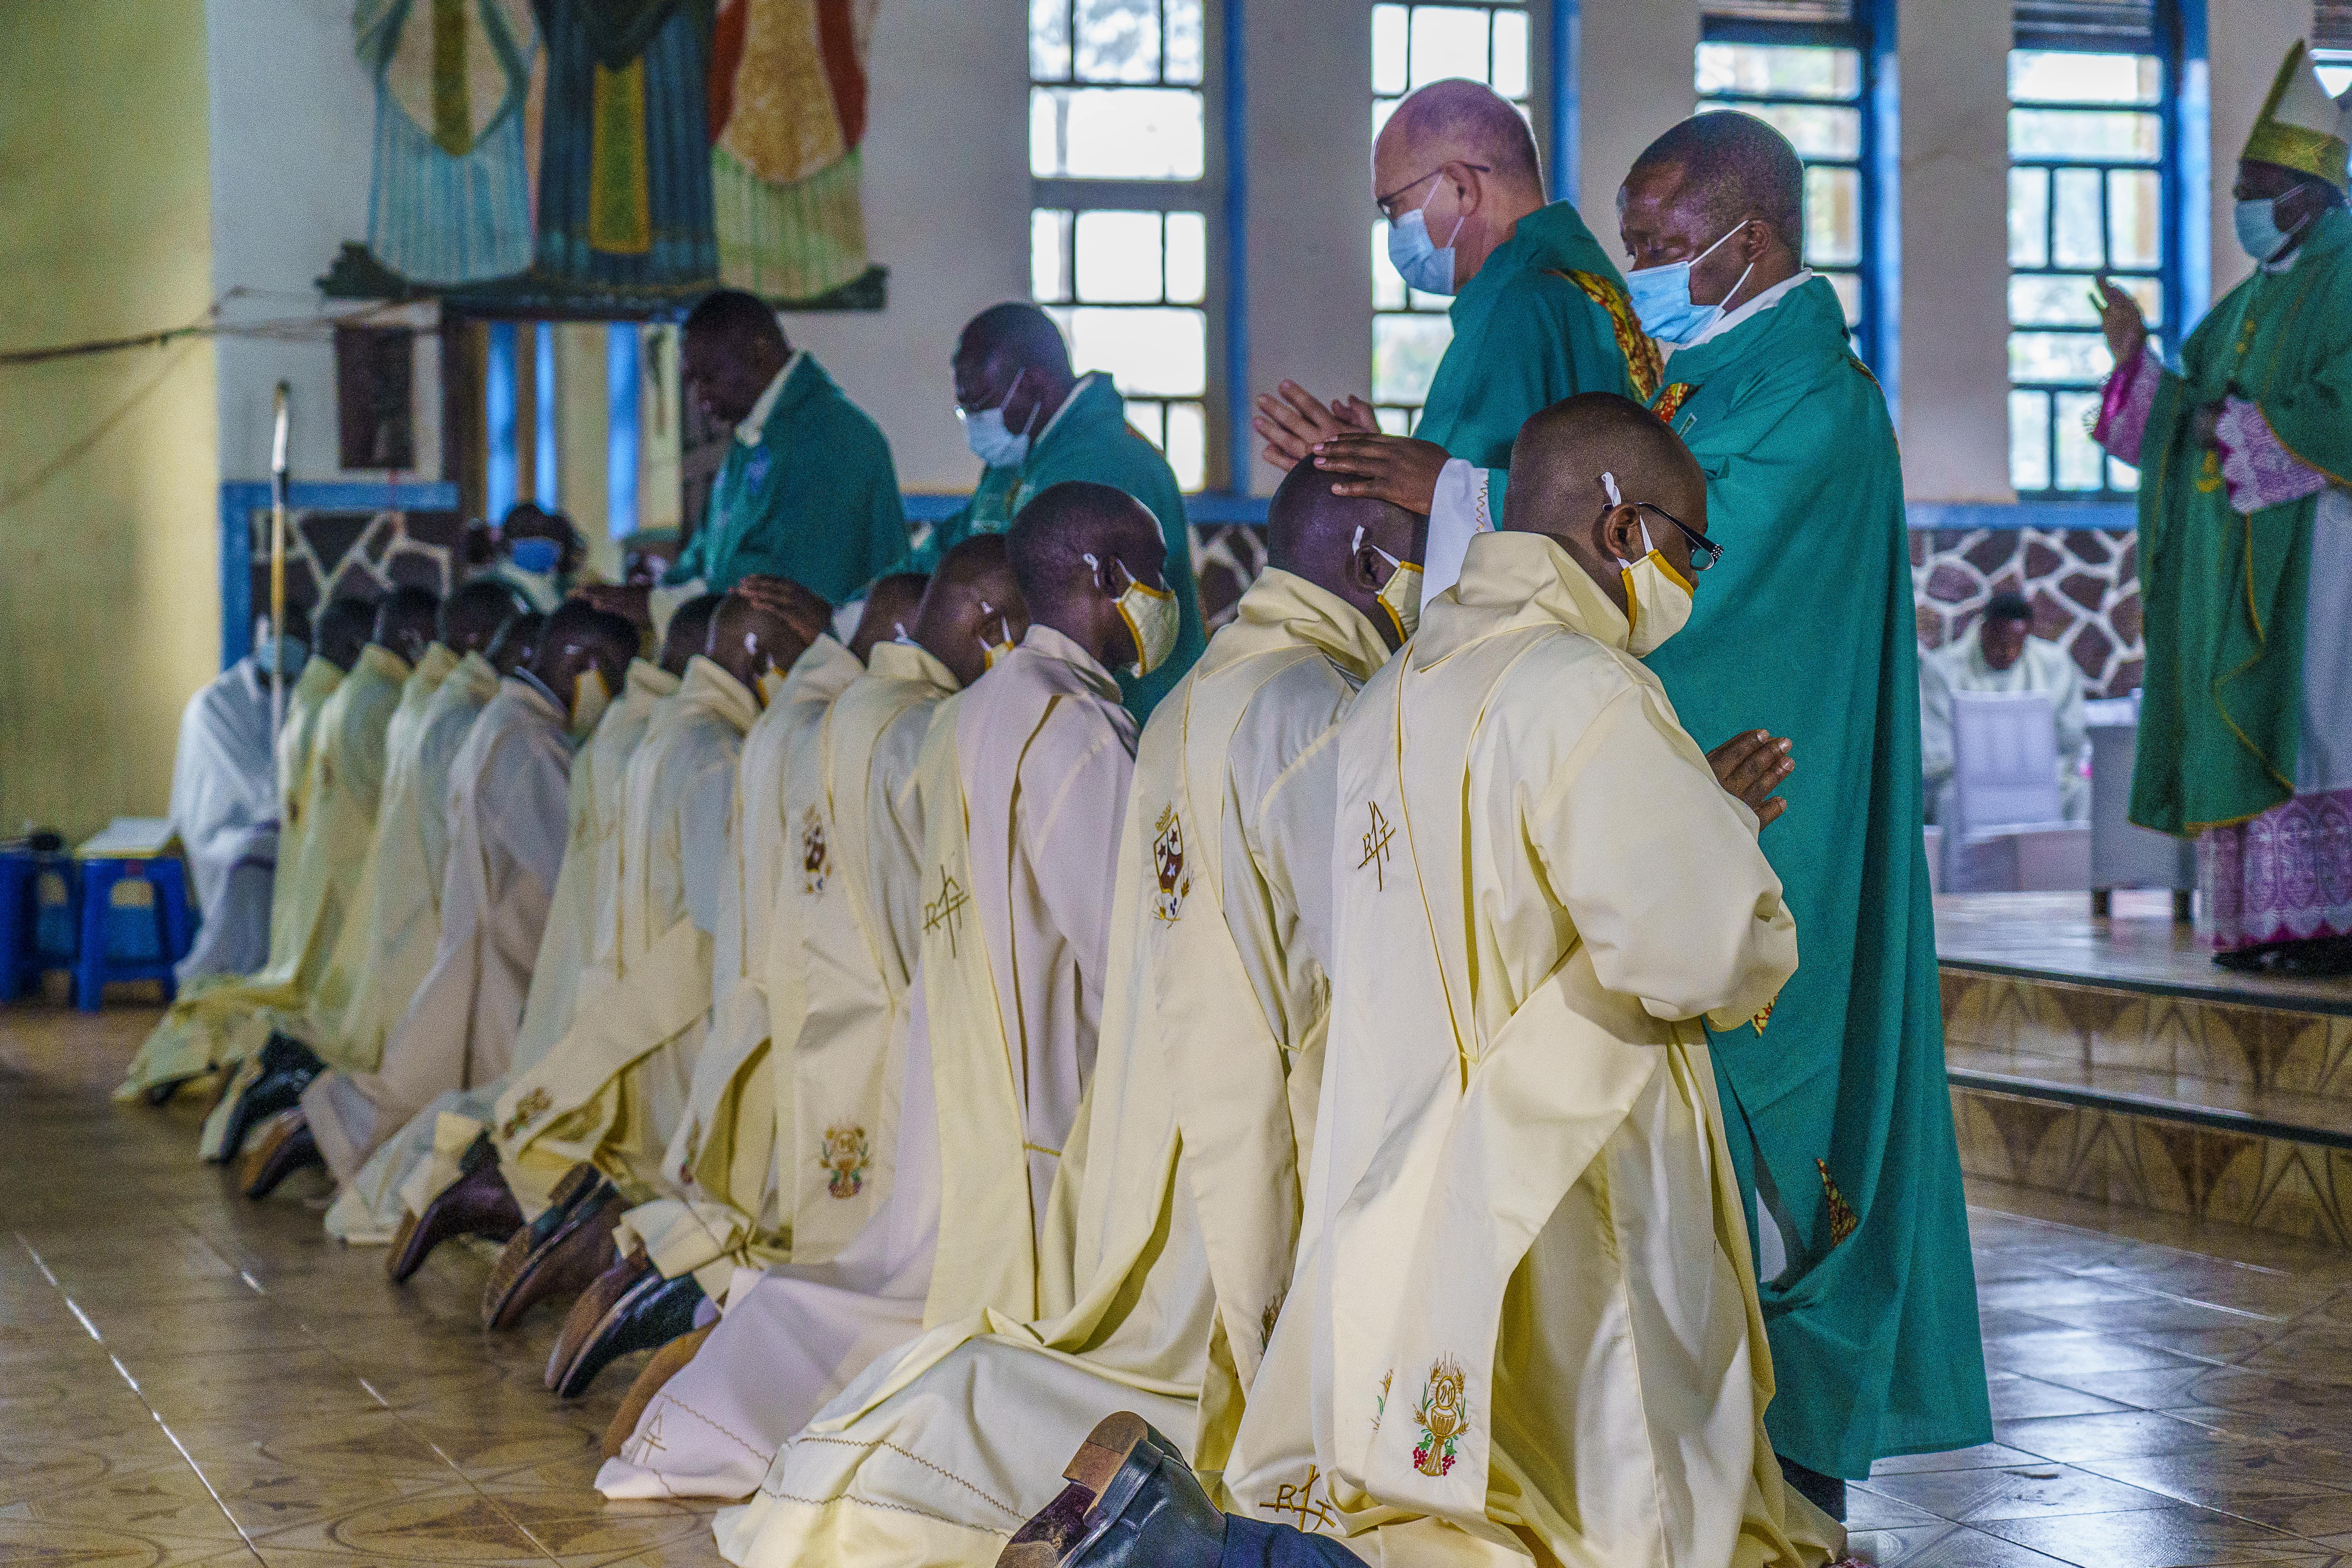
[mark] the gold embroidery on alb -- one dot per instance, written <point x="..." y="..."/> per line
<point x="816" y="856"/>
<point x="944" y="911"/>
<point x="1168" y="865"/>
<point x="1376" y="849"/>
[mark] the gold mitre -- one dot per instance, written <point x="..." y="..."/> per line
<point x="2300" y="126"/>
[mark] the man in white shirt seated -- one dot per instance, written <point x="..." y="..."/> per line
<point x="2002" y="655"/>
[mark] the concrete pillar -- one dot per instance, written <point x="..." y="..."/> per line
<point x="1308" y="102"/>
<point x="582" y="428"/>
<point x="1953" y="58"/>
<point x="2245" y="41"/>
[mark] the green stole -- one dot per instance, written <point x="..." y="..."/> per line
<point x="1806" y="628"/>
<point x="2223" y="593"/>
<point x="1545" y="318"/>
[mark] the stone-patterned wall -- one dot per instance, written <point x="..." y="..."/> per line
<point x="2083" y="585"/>
<point x="1226" y="559"/>
<point x="363" y="552"/>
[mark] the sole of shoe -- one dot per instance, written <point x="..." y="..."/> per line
<point x="654" y="1312"/>
<point x="1051" y="1533"/>
<point x="509" y="1294"/>
<point x="397" y="1265"/>
<point x="284" y="1146"/>
<point x="666" y="1364"/>
<point x="587" y="1318"/>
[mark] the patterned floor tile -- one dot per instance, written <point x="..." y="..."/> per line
<point x="2068" y="1439"/>
<point x="1972" y="1497"/>
<point x="2228" y="1479"/>
<point x="2175" y="1537"/>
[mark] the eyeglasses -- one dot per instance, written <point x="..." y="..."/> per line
<point x="1704" y="552"/>
<point x="1382" y="202"/>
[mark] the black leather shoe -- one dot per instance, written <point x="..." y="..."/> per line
<point x="477" y="1203"/>
<point x="650" y="1314"/>
<point x="1133" y="1502"/>
<point x="287" y="1066"/>
<point x="560" y="1253"/>
<point x="281" y="1146"/>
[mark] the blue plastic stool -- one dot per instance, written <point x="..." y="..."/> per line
<point x="39" y="918"/>
<point x="128" y="942"/>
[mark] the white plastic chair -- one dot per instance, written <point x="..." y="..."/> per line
<point x="2124" y="856"/>
<point x="2010" y="834"/>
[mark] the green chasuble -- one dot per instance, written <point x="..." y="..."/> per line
<point x="1806" y="628"/>
<point x="1546" y="318"/>
<point x="1089" y="439"/>
<point x="816" y="498"/>
<point x="2223" y="594"/>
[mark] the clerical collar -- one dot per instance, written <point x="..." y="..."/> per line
<point x="1077" y="389"/>
<point x="1756" y="307"/>
<point x="756" y="422"/>
<point x="1060" y="646"/>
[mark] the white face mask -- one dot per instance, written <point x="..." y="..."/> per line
<point x="1401" y="595"/>
<point x="590" y="698"/>
<point x="1657" y="597"/>
<point x="1153" y="617"/>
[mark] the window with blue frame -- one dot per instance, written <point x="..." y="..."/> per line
<point x="1412" y="46"/>
<point x="2095" y="186"/>
<point x="1124" y="175"/>
<point x="1805" y="65"/>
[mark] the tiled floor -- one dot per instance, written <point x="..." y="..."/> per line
<point x="188" y="1377"/>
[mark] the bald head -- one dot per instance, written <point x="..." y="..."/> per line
<point x="1557" y="486"/>
<point x="1458" y="119"/>
<point x="516" y="642"/>
<point x="1011" y="358"/>
<point x="1312" y="534"/>
<point x="472" y="615"/>
<point x="1022" y="334"/>
<point x="579" y="637"/>
<point x="1049" y="546"/>
<point x="689" y="632"/>
<point x="344" y="628"/>
<point x="405" y="621"/>
<point x="889" y="604"/>
<point x="750" y="637"/>
<point x="803" y="608"/>
<point x="973" y="603"/>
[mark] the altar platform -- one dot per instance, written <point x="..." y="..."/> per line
<point x="2109" y="1059"/>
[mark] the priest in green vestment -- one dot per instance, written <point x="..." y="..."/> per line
<point x="2245" y="530"/>
<point x="1834" y="1098"/>
<point x="1035" y="423"/>
<point x="1540" y="314"/>
<point x="807" y="491"/>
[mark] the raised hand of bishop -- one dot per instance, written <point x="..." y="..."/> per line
<point x="1395" y="469"/>
<point x="1750" y="767"/>
<point x="1294" y="421"/>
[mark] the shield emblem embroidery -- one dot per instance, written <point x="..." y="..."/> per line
<point x="1168" y="865"/>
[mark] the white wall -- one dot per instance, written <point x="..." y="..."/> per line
<point x="1953" y="60"/>
<point x="946" y="211"/>
<point x="2245" y="41"/>
<point x="1634" y="82"/>
<point x="293" y="123"/>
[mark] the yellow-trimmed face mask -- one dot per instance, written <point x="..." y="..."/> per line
<point x="771" y="685"/>
<point x="590" y="698"/>
<point x="991" y="651"/>
<point x="1657" y="597"/>
<point x="1153" y="617"/>
<point x="1399" y="596"/>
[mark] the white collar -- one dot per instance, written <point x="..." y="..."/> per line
<point x="1076" y="387"/>
<point x="1756" y="307"/>
<point x="756" y="422"/>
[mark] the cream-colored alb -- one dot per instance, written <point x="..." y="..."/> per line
<point x="1526" y="1313"/>
<point x="506" y="821"/>
<point x="412" y="1167"/>
<point x="720" y="1208"/>
<point x="1179" y="1198"/>
<point x="612" y="1090"/>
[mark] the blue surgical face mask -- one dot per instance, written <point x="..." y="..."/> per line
<point x="1660" y="297"/>
<point x="280" y="653"/>
<point x="1417" y="260"/>
<point x="535" y="556"/>
<point x="2259" y="234"/>
<point x="990" y="442"/>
